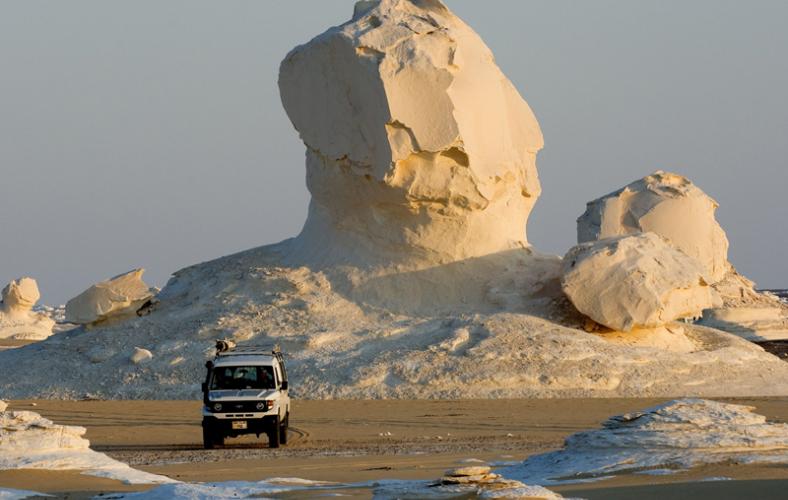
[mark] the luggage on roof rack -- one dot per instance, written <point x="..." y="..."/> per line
<point x="229" y="348"/>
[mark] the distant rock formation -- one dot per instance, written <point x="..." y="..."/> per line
<point x="669" y="205"/>
<point x="637" y="281"/>
<point x="17" y="318"/>
<point x="419" y="149"/>
<point x="116" y="297"/>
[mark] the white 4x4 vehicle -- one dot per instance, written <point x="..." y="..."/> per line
<point x="245" y="392"/>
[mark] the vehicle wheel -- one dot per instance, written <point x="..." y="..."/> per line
<point x="273" y="434"/>
<point x="211" y="438"/>
<point x="283" y="429"/>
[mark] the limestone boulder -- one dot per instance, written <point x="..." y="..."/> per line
<point x="637" y="281"/>
<point x="418" y="146"/>
<point x="20" y="295"/>
<point x="17" y="318"/>
<point x="669" y="205"/>
<point x="118" y="297"/>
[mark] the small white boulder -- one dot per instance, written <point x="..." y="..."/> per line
<point x="669" y="205"/>
<point x="117" y="297"/>
<point x="3" y="406"/>
<point x="637" y="281"/>
<point x="141" y="355"/>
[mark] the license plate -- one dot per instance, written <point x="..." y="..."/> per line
<point x="239" y="424"/>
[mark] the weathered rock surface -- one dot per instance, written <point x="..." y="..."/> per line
<point x="746" y="312"/>
<point x="117" y="297"/>
<point x="635" y="281"/>
<point x="676" y="435"/>
<point x="30" y="441"/>
<point x="418" y="146"/>
<point x="17" y="319"/>
<point x="669" y="205"/>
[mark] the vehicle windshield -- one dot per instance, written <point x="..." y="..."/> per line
<point x="243" y="377"/>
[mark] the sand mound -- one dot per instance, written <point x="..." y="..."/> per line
<point x="675" y="435"/>
<point x="492" y="339"/>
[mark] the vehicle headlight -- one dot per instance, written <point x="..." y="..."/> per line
<point x="217" y="407"/>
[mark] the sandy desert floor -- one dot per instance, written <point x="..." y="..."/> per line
<point x="354" y="441"/>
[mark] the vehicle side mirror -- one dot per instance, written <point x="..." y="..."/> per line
<point x="284" y="385"/>
<point x="204" y="387"/>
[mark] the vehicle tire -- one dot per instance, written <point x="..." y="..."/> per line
<point x="283" y="429"/>
<point x="211" y="438"/>
<point x="273" y="433"/>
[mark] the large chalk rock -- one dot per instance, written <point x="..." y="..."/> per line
<point x="17" y="319"/>
<point x="117" y="297"/>
<point x="637" y="281"/>
<point x="418" y="146"/>
<point x="669" y="205"/>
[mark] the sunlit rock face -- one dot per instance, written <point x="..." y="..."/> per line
<point x="635" y="281"/>
<point x="669" y="205"/>
<point x="418" y="146"/>
<point x="117" y="297"/>
<point x="17" y="318"/>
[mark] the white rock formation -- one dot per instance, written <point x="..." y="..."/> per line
<point x="3" y="406"/>
<point x="418" y="146"/>
<point x="17" y="318"/>
<point x="116" y="297"/>
<point x="420" y="323"/>
<point x="635" y="281"/>
<point x="669" y="205"/>
<point x="679" y="434"/>
<point x="746" y="312"/>
<point x="30" y="441"/>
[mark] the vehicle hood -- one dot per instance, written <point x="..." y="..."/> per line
<point x="242" y="394"/>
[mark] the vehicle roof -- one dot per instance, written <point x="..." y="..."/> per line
<point x="245" y="360"/>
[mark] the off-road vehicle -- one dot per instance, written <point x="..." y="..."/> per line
<point x="245" y="392"/>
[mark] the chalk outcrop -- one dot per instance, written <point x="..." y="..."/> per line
<point x="637" y="281"/>
<point x="672" y="436"/>
<point x="17" y="318"/>
<point x="118" y="297"/>
<point x="669" y="205"/>
<point x="418" y="146"/>
<point x="30" y="441"/>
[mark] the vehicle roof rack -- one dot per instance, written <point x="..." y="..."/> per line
<point x="229" y="348"/>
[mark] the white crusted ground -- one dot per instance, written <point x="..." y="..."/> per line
<point x="487" y="327"/>
<point x="675" y="435"/>
<point x="381" y="490"/>
<point x="30" y="441"/>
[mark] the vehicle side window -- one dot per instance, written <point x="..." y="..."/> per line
<point x="278" y="375"/>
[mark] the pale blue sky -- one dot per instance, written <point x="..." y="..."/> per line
<point x="149" y="133"/>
